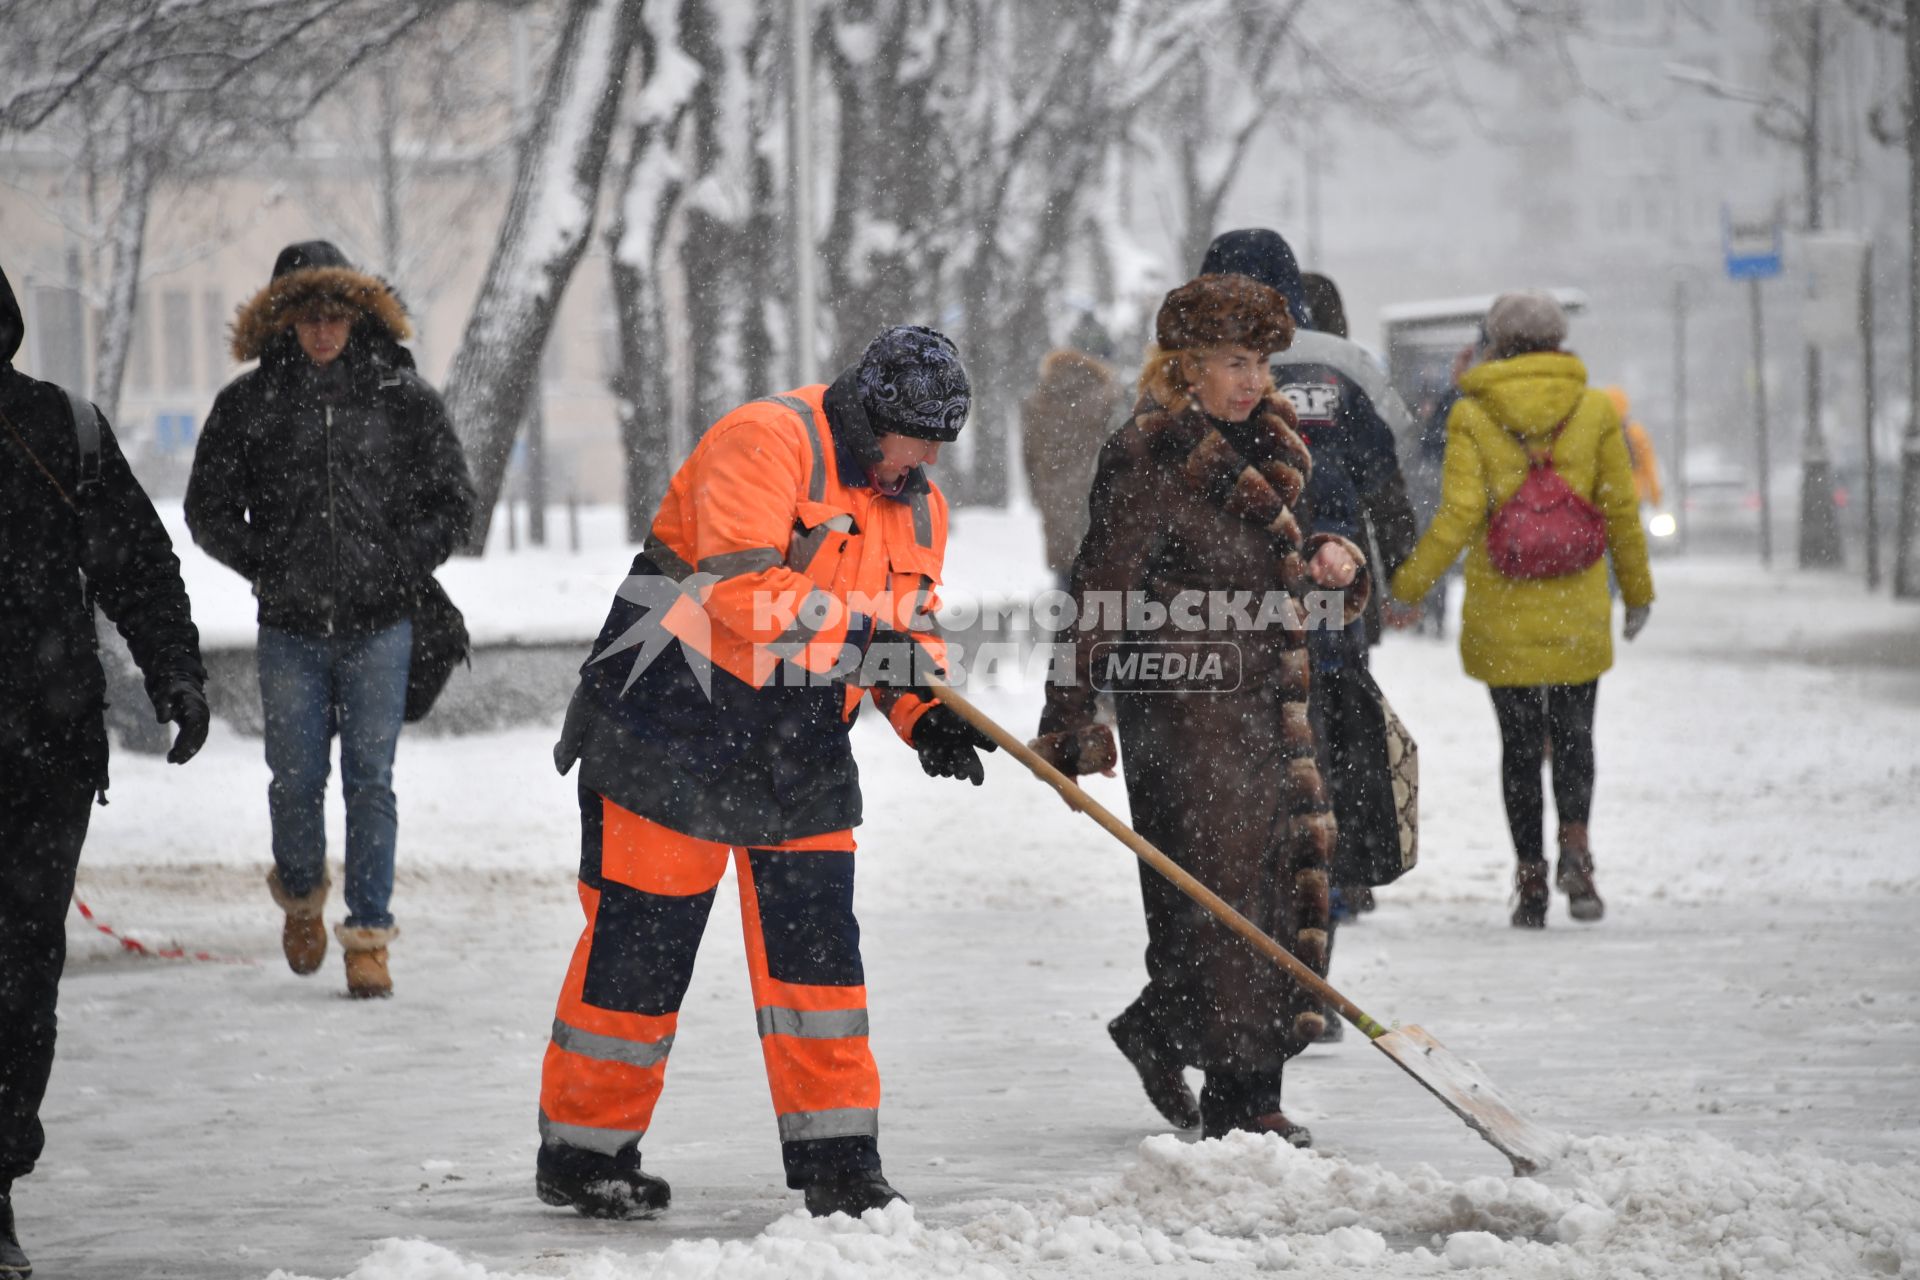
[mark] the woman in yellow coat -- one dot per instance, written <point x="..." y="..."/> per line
<point x="1540" y="644"/>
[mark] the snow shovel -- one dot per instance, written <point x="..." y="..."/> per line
<point x="1452" y="1079"/>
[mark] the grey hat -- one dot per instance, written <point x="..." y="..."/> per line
<point x="1527" y="320"/>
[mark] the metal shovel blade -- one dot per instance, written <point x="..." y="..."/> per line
<point x="1471" y="1096"/>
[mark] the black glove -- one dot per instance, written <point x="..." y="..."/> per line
<point x="182" y="702"/>
<point x="949" y="747"/>
<point x="894" y="660"/>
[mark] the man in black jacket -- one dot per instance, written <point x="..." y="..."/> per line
<point x="75" y="529"/>
<point x="330" y="478"/>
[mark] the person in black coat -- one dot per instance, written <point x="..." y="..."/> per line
<point x="330" y="478"/>
<point x="75" y="530"/>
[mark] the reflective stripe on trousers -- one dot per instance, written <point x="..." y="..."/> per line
<point x="646" y="892"/>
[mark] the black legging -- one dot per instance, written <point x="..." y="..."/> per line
<point x="1529" y="715"/>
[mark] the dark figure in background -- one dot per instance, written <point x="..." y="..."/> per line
<point x="1358" y="492"/>
<point x="75" y="530"/>
<point x="1423" y="474"/>
<point x="1201" y="490"/>
<point x="330" y="479"/>
<point x="1063" y="423"/>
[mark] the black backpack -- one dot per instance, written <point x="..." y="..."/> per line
<point x="86" y="434"/>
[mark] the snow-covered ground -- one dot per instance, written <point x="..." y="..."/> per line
<point x="1732" y="1050"/>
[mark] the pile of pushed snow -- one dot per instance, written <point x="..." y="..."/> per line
<point x="1656" y="1206"/>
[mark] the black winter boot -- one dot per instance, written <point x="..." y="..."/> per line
<point x="1295" y="1135"/>
<point x="596" y="1185"/>
<point x="1243" y="1100"/>
<point x="851" y="1193"/>
<point x="1533" y="895"/>
<point x="13" y="1259"/>
<point x="1160" y="1072"/>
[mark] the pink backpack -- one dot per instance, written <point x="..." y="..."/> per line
<point x="1545" y="530"/>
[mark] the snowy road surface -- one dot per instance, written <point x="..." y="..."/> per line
<point x="1733" y="1050"/>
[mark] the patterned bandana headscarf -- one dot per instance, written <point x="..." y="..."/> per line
<point x="913" y="384"/>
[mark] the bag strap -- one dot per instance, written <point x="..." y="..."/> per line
<point x="1545" y="456"/>
<point x="1542" y="459"/>
<point x="38" y="465"/>
<point x="86" y="434"/>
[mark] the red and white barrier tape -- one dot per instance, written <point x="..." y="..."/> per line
<point x="142" y="949"/>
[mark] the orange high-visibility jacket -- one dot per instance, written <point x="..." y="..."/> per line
<point x="1646" y="465"/>
<point x="783" y="564"/>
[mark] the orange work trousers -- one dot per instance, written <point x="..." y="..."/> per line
<point x="647" y="892"/>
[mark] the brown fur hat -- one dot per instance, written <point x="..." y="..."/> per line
<point x="303" y="292"/>
<point x="1224" y="311"/>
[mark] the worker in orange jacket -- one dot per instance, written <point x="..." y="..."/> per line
<point x="791" y="570"/>
<point x="1646" y="465"/>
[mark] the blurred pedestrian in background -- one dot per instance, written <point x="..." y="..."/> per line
<point x="1063" y="423"/>
<point x="1646" y="463"/>
<point x="330" y="479"/>
<point x="1540" y="643"/>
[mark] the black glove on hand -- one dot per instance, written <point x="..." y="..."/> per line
<point x="894" y="660"/>
<point x="949" y="747"/>
<point x="184" y="704"/>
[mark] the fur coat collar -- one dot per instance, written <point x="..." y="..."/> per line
<point x="1254" y="470"/>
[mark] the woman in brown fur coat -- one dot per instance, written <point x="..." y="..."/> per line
<point x="1196" y="506"/>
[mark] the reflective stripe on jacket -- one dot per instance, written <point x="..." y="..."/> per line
<point x="768" y="568"/>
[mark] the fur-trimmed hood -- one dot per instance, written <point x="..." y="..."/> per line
<point x="273" y="310"/>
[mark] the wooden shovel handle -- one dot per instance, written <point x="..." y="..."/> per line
<point x="1077" y="798"/>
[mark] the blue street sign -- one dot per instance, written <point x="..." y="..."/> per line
<point x="1752" y="246"/>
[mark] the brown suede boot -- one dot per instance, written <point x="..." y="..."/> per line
<point x="366" y="949"/>
<point x="1530" y="884"/>
<point x="1574" y="875"/>
<point x="303" y="938"/>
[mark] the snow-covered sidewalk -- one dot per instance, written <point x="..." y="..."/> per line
<point x="1731" y="1049"/>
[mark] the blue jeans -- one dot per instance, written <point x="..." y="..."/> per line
<point x="311" y="686"/>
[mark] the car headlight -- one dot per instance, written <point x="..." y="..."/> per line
<point x="1663" y="525"/>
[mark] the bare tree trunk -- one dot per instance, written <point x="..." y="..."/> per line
<point x="649" y="189"/>
<point x="548" y="220"/>
<point x="645" y="401"/>
<point x="1004" y="351"/>
<point x="882" y="266"/>
<point x="387" y="133"/>
<point x="126" y="249"/>
<point x="761" y="238"/>
<point x="1906" y="572"/>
